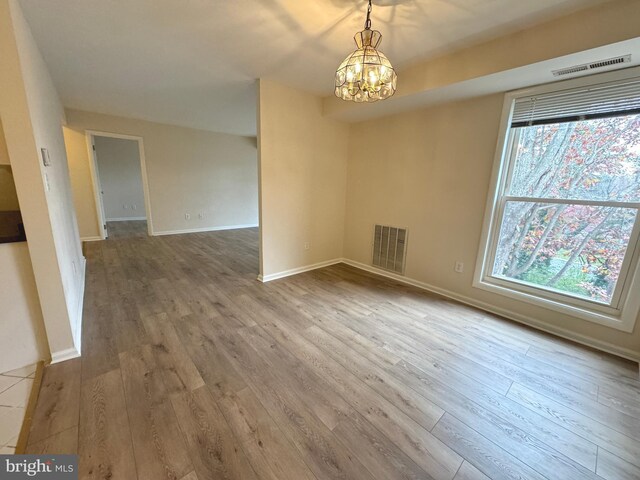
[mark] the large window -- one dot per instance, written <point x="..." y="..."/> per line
<point x="563" y="226"/>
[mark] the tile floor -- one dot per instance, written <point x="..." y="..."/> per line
<point x="15" y="388"/>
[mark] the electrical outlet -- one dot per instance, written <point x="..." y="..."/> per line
<point x="307" y="245"/>
<point x="187" y="216"/>
<point x="459" y="267"/>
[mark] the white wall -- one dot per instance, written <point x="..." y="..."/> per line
<point x="188" y="171"/>
<point x="22" y="335"/>
<point x="22" y="339"/>
<point x="430" y="171"/>
<point x="32" y="118"/>
<point x="303" y="160"/>
<point x="120" y="178"/>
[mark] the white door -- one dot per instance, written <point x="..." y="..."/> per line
<point x="100" y="196"/>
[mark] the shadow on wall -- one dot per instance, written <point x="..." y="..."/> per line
<point x="11" y="226"/>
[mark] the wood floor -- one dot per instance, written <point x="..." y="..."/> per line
<point x="192" y="369"/>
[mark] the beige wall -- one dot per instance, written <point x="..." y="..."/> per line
<point x="303" y="158"/>
<point x="22" y="341"/>
<point x="81" y="184"/>
<point x="188" y="171"/>
<point x="8" y="195"/>
<point x="120" y="175"/>
<point x="4" y="154"/>
<point x="430" y="171"/>
<point x="32" y="118"/>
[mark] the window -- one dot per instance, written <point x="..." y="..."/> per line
<point x="562" y="228"/>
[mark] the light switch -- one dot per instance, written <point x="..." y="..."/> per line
<point x="46" y="160"/>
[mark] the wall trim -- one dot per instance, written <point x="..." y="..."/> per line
<point x="295" y="271"/>
<point x="204" y="229"/>
<point x="91" y="239"/>
<point x="64" y="355"/>
<point x="77" y="328"/>
<point x="93" y="166"/>
<point x="125" y="219"/>
<point x="516" y="317"/>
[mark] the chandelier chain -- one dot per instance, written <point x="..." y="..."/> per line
<point x="367" y="23"/>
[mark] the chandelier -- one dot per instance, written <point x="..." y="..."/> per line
<point x="366" y="75"/>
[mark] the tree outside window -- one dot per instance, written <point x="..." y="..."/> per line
<point x="569" y="207"/>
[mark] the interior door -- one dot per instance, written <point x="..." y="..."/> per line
<point x="100" y="195"/>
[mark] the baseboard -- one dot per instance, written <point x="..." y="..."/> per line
<point x="126" y="219"/>
<point x="204" y="229"/>
<point x="91" y="239"/>
<point x="68" y="354"/>
<point x="516" y="317"/>
<point x="77" y="328"/>
<point x="295" y="271"/>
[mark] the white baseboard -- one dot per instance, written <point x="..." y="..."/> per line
<point x="125" y="219"/>
<point x="204" y="229"/>
<point x="295" y="271"/>
<point x="64" y="355"/>
<point x="77" y="328"/>
<point x="532" y="322"/>
<point x="91" y="239"/>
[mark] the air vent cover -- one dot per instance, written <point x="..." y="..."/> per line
<point x="389" y="248"/>
<point x="609" y="62"/>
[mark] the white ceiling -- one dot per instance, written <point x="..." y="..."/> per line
<point x="194" y="62"/>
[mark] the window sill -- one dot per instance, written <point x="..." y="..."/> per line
<point x="624" y="321"/>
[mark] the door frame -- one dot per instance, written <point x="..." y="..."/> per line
<point x="95" y="178"/>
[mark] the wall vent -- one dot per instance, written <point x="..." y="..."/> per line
<point x="609" y="62"/>
<point x="389" y="248"/>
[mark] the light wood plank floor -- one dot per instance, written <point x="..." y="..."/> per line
<point x="192" y="369"/>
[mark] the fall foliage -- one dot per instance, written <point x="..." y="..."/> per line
<point x="576" y="247"/>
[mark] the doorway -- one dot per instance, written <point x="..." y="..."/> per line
<point x="120" y="182"/>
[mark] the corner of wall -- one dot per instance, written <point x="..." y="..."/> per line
<point x="303" y="169"/>
<point x="32" y="118"/>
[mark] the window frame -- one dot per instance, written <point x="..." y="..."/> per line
<point x="623" y="311"/>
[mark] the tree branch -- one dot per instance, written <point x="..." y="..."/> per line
<point x="579" y="249"/>
<point x="550" y="226"/>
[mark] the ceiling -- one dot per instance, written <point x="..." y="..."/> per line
<point x="194" y="62"/>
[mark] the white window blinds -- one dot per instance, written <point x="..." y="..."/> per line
<point x="595" y="101"/>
